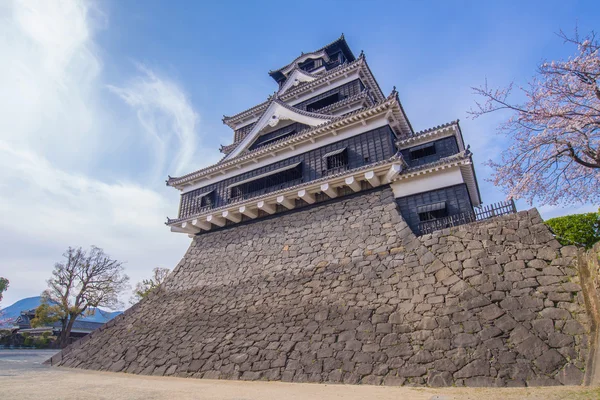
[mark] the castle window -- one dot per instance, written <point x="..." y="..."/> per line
<point x="267" y="182"/>
<point x="337" y="58"/>
<point x="207" y="200"/>
<point x="432" y="211"/>
<point x="336" y="160"/>
<point x="311" y="65"/>
<point x="196" y="201"/>
<point x="327" y="101"/>
<point x="422" y="151"/>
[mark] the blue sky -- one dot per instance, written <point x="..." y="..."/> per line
<point x="101" y="100"/>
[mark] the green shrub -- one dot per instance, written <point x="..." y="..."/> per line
<point x="42" y="343"/>
<point x="578" y="229"/>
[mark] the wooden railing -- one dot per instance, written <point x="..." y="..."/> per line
<point x="479" y="214"/>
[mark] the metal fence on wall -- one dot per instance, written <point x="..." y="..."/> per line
<point x="479" y="214"/>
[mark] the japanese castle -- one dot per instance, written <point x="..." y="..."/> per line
<point x="329" y="131"/>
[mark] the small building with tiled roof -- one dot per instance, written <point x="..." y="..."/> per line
<point x="80" y="328"/>
<point x="328" y="131"/>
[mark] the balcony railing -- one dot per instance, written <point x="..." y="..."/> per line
<point x="480" y="214"/>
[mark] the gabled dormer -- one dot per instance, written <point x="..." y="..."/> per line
<point x="297" y="77"/>
<point x="316" y="62"/>
<point x="278" y="121"/>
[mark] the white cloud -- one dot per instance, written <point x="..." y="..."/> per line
<point x="70" y="165"/>
<point x="47" y="73"/>
<point x="164" y="112"/>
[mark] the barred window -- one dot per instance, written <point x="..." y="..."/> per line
<point x="208" y="200"/>
<point x="311" y="64"/>
<point x="343" y="91"/>
<point x="336" y="159"/>
<point x="422" y="151"/>
<point x="275" y="180"/>
<point x="196" y="201"/>
<point x="432" y="211"/>
<point x="327" y="101"/>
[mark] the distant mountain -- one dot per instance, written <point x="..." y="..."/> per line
<point x="13" y="311"/>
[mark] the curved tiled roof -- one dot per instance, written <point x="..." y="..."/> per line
<point x="450" y="160"/>
<point x="395" y="157"/>
<point x="350" y="99"/>
<point x="334" y="123"/>
<point x="365" y="94"/>
<point x="344" y="68"/>
<point x="341" y="40"/>
<point x="463" y="155"/>
<point x="301" y="112"/>
<point x="226" y="149"/>
<point x="407" y="140"/>
<point x="435" y="128"/>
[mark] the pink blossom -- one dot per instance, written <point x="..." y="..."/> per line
<point x="554" y="156"/>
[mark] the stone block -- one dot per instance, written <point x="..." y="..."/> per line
<point x="570" y="375"/>
<point x="549" y="361"/>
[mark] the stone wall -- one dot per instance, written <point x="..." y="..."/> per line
<point x="344" y="292"/>
<point x="589" y="273"/>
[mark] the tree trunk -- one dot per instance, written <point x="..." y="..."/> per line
<point x="63" y="324"/>
<point x="66" y="332"/>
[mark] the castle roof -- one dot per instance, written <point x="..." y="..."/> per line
<point x="359" y="64"/>
<point x="364" y="96"/>
<point x="389" y="104"/>
<point x="340" y="43"/>
<point x="461" y="160"/>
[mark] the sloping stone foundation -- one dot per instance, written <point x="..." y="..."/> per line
<point x="344" y="292"/>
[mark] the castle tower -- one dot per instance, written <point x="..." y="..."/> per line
<point x="350" y="286"/>
<point x="327" y="132"/>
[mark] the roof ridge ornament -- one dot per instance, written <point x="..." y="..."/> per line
<point x="468" y="151"/>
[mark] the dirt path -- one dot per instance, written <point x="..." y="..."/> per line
<point x="62" y="383"/>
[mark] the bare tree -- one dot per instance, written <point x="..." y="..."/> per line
<point x="143" y="288"/>
<point x="554" y="154"/>
<point x="84" y="281"/>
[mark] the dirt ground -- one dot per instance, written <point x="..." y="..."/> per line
<point x="23" y="377"/>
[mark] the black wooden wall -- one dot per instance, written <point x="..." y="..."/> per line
<point x="345" y="90"/>
<point x="366" y="148"/>
<point x="456" y="197"/>
<point x="348" y="89"/>
<point x="443" y="148"/>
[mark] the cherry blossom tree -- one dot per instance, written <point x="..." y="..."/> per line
<point x="554" y="155"/>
